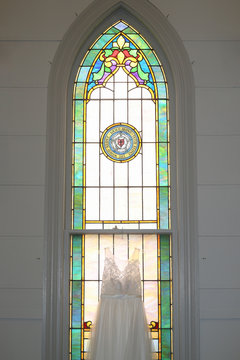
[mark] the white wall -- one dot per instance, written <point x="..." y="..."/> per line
<point x="30" y="32"/>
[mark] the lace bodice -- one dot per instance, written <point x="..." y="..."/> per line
<point x="117" y="282"/>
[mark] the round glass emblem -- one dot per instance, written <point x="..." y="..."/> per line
<point x="120" y="142"/>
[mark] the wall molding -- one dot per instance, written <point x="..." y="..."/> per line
<point x="185" y="251"/>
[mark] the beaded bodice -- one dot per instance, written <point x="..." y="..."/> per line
<point x="117" y="282"/>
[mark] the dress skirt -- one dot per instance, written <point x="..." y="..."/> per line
<point x="121" y="330"/>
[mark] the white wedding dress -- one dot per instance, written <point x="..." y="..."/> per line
<point x="121" y="330"/>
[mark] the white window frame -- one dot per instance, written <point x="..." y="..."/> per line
<point x="155" y="27"/>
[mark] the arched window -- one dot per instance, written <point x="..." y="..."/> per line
<point x="163" y="227"/>
<point x="121" y="180"/>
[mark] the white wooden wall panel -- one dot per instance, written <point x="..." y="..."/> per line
<point x="20" y="340"/>
<point x="23" y="111"/>
<point x="220" y="339"/>
<point x="215" y="20"/>
<point x="218" y="159"/>
<point x="218" y="210"/>
<point x="21" y="262"/>
<point x="217" y="111"/>
<point x="216" y="63"/>
<point x="220" y="303"/>
<point x="38" y="20"/>
<point x="21" y="210"/>
<point x="23" y="79"/>
<point x="22" y="160"/>
<point x="20" y="304"/>
<point x="219" y="262"/>
<point x="26" y="63"/>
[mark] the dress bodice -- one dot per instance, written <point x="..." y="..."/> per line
<point x="117" y="282"/>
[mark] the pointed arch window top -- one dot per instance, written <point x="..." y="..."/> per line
<point x="121" y="46"/>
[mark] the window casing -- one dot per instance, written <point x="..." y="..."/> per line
<point x="163" y="37"/>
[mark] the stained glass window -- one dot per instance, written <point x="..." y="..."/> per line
<point x="121" y="180"/>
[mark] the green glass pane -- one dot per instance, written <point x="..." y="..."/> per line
<point x="76" y="344"/>
<point x="164" y="207"/>
<point x="82" y="76"/>
<point x="157" y="70"/>
<point x="162" y="115"/>
<point x="78" y="110"/>
<point x="77" y="257"/>
<point x="76" y="303"/>
<point x="78" y="165"/>
<point x="78" y="219"/>
<point x="138" y="40"/>
<point x="129" y="31"/>
<point x="163" y="164"/>
<point x="102" y="41"/>
<point x="151" y="57"/>
<point x="79" y="93"/>
<point x="113" y="31"/>
<point x="162" y="94"/>
<point x="165" y="257"/>
<point x="166" y="344"/>
<point x="165" y="305"/>
<point x="79" y="130"/>
<point x="78" y="198"/>
<point x="90" y="57"/>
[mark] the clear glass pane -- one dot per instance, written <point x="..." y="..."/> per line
<point x="135" y="93"/>
<point x="149" y="121"/>
<point x="121" y="226"/>
<point x="121" y="174"/>
<point x="149" y="204"/>
<point x="106" y="203"/>
<point x="106" y="241"/>
<point x="146" y="94"/>
<point x="135" y="203"/>
<point x="121" y="90"/>
<point x="92" y="125"/>
<point x="135" y="171"/>
<point x="106" y="112"/>
<point x="94" y="226"/>
<point x="92" y="204"/>
<point x="106" y="93"/>
<point x="148" y="225"/>
<point x="120" y="76"/>
<point x="106" y="171"/>
<point x="134" y="114"/>
<point x="121" y="204"/>
<point x="95" y="94"/>
<point x="120" y="111"/>
<point x="92" y="164"/>
<point x="149" y="167"/>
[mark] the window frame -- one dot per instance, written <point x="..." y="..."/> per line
<point x="183" y="175"/>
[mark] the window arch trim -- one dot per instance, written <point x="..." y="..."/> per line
<point x="186" y="342"/>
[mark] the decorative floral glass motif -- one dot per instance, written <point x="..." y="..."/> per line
<point x="120" y="179"/>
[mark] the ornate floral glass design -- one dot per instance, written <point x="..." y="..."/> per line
<point x="120" y="179"/>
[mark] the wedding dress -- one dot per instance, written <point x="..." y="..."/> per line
<point x="121" y="330"/>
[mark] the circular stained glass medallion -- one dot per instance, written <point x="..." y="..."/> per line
<point x="120" y="142"/>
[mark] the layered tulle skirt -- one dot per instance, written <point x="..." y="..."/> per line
<point x="120" y="331"/>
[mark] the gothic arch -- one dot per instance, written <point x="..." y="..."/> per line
<point x="150" y="21"/>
